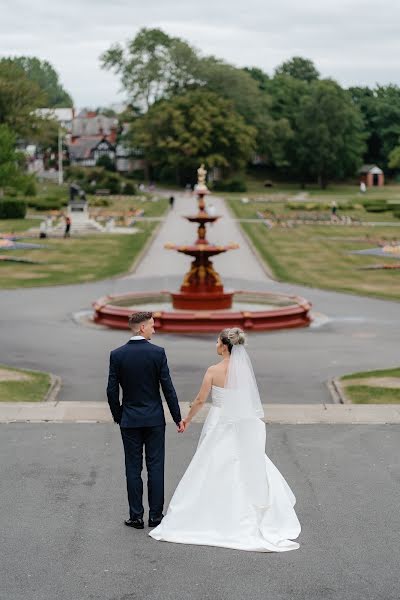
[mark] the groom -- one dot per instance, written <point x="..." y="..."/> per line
<point x="140" y="367"/>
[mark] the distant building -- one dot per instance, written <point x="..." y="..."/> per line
<point x="92" y="136"/>
<point x="86" y="151"/>
<point x="371" y="175"/>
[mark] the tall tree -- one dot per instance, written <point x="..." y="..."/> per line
<point x="380" y="107"/>
<point x="196" y="126"/>
<point x="46" y="77"/>
<point x="19" y="97"/>
<point x="153" y="65"/>
<point x="299" y="68"/>
<point x="329" y="133"/>
<point x="10" y="173"/>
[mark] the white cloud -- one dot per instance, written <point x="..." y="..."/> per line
<point x="354" y="41"/>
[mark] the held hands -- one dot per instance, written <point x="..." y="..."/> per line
<point x="182" y="425"/>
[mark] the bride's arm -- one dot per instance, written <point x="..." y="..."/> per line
<point x="201" y="397"/>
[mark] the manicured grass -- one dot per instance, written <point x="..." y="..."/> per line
<point x="369" y="392"/>
<point x="277" y="203"/>
<point x="367" y="374"/>
<point x="16" y="225"/>
<point x="364" y="394"/>
<point x="124" y="203"/>
<point x="307" y="255"/>
<point x="33" y="387"/>
<point x="76" y="260"/>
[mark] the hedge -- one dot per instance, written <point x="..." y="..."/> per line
<point x="233" y="185"/>
<point x="12" y="208"/>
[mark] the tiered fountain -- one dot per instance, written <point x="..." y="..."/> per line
<point x="202" y="287"/>
<point x="202" y="304"/>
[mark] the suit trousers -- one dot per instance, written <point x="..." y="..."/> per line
<point x="152" y="439"/>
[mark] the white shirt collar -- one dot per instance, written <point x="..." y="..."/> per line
<point x="137" y="337"/>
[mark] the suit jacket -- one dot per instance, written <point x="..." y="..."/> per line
<point x="140" y="368"/>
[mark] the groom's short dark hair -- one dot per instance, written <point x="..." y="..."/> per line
<point x="139" y="317"/>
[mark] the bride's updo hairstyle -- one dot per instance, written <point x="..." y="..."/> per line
<point x="232" y="337"/>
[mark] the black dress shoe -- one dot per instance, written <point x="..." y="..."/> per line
<point x="155" y="522"/>
<point x="136" y="523"/>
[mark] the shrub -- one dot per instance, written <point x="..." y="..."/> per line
<point x="232" y="185"/>
<point x="47" y="203"/>
<point x="106" y="162"/>
<point x="112" y="183"/>
<point x="396" y="212"/>
<point x="29" y="188"/>
<point x="128" y="189"/>
<point x="12" y="208"/>
<point x="376" y="205"/>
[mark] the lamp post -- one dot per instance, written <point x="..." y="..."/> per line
<point x="60" y="158"/>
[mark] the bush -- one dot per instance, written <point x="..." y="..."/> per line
<point x="29" y="188"/>
<point x="106" y="162"/>
<point x="376" y="205"/>
<point x="128" y="189"/>
<point x="138" y="175"/>
<point x="396" y="212"/>
<point x="233" y="185"/>
<point x="47" y="203"/>
<point x="11" y="208"/>
<point x="112" y="183"/>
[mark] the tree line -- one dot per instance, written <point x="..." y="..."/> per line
<point x="186" y="107"/>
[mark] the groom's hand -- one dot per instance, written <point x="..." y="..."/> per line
<point x="181" y="427"/>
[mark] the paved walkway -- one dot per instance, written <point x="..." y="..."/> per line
<point x="235" y="263"/>
<point x="292" y="414"/>
<point x="63" y="501"/>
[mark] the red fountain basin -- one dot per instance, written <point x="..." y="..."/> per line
<point x="252" y="311"/>
<point x="201" y="249"/>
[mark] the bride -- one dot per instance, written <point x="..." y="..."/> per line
<point x="231" y="495"/>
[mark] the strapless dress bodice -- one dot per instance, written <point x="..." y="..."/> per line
<point x="217" y="395"/>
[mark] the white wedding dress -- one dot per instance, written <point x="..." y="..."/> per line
<point x="232" y="495"/>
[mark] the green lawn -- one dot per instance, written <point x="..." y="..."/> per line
<point x="378" y="373"/>
<point x="278" y="204"/>
<point x="22" y="385"/>
<point x="364" y="394"/>
<point x="17" y="225"/>
<point x="76" y="260"/>
<point x="309" y="255"/>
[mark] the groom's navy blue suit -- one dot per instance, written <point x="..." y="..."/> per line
<point x="140" y="368"/>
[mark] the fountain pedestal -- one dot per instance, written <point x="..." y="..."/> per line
<point x="202" y="288"/>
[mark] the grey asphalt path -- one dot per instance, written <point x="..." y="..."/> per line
<point x="63" y="502"/>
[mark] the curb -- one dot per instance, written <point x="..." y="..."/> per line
<point x="145" y="248"/>
<point x="54" y="389"/>
<point x="337" y="391"/>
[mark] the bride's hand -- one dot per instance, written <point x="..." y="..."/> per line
<point x="186" y="423"/>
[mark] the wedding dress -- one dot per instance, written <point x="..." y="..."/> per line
<point x="232" y="495"/>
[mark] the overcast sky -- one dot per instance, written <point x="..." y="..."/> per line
<point x="356" y="42"/>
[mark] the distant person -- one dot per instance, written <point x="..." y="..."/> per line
<point x="67" y="232"/>
<point x="43" y="230"/>
<point x="363" y="187"/>
<point x="334" y="208"/>
<point x="171" y="202"/>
